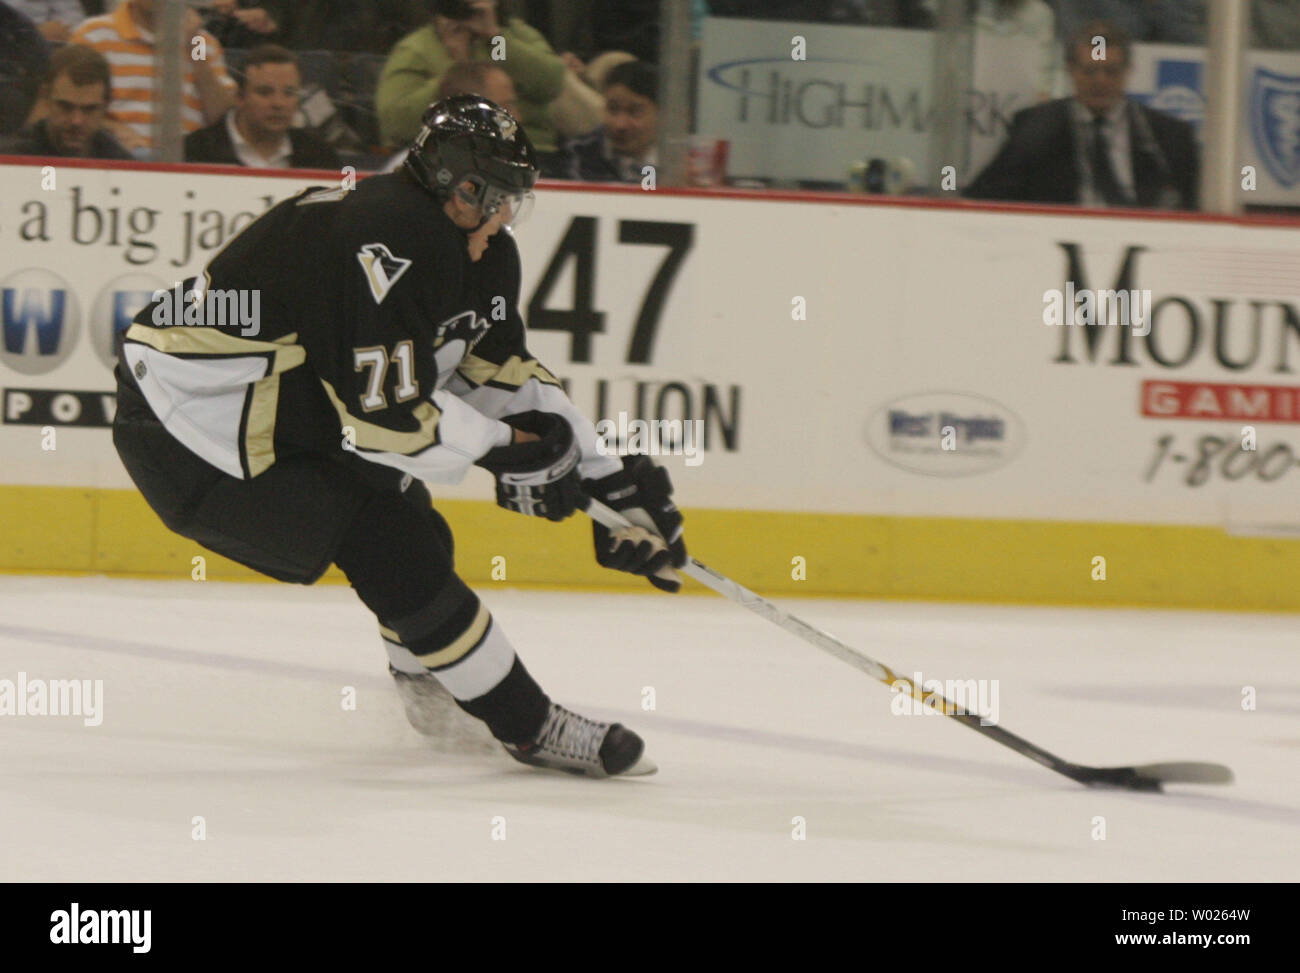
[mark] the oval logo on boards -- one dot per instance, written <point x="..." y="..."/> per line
<point x="945" y="433"/>
<point x="40" y="320"/>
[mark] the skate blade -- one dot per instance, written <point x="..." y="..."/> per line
<point x="644" y="767"/>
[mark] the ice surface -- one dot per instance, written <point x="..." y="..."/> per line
<point x="225" y="701"/>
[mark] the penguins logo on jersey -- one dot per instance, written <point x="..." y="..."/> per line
<point x="382" y="269"/>
<point x="455" y="338"/>
<point x="467" y="326"/>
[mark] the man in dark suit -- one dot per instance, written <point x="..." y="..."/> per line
<point x="1097" y="148"/>
<point x="258" y="131"/>
<point x="626" y="144"/>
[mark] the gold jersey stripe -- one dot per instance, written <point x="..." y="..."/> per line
<point x="183" y="340"/>
<point x="259" y="433"/>
<point x="513" y="373"/>
<point x="384" y="440"/>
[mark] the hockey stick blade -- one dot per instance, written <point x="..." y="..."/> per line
<point x="1187" y="772"/>
<point x="1144" y="777"/>
<point x="1150" y="777"/>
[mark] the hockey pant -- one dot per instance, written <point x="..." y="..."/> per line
<point x="310" y="510"/>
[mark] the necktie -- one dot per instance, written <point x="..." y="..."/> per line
<point x="1104" y="179"/>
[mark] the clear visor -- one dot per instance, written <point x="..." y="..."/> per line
<point x="513" y="207"/>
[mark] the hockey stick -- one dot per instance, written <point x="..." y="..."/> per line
<point x="1145" y="777"/>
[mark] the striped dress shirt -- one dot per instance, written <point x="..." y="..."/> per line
<point x="133" y="62"/>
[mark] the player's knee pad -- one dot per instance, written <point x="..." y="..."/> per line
<point x="395" y="558"/>
<point x="443" y="530"/>
<point x="418" y="496"/>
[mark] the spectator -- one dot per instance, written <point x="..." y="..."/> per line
<point x="125" y="37"/>
<point x="1098" y="148"/>
<point x="579" y="107"/>
<point x="75" y="93"/>
<point x="463" y="30"/>
<point x="482" y="78"/>
<point x="24" y="60"/>
<point x="53" y="18"/>
<point x="258" y="131"/>
<point x="620" y="149"/>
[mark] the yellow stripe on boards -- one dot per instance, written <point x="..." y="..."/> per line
<point x="46" y="530"/>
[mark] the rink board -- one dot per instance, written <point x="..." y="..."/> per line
<point x="113" y="532"/>
<point x="878" y="392"/>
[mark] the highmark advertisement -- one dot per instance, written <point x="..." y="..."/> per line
<point x="803" y="101"/>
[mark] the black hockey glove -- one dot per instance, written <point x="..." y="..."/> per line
<point x="537" y="478"/>
<point x="641" y="492"/>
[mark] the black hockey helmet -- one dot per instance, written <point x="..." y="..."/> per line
<point x="476" y="149"/>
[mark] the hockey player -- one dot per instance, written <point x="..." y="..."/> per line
<point x="387" y="349"/>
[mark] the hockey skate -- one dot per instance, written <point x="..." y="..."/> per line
<point x="433" y="712"/>
<point x="578" y="745"/>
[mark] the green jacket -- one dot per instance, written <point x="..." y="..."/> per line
<point x="409" y="81"/>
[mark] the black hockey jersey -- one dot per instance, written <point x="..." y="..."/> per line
<point x="348" y="320"/>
